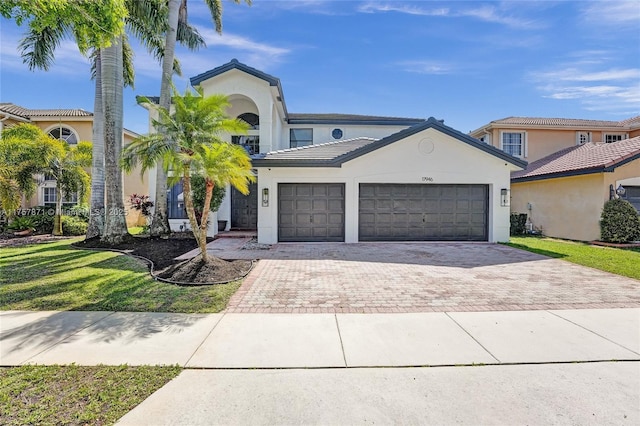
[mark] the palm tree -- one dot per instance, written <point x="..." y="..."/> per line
<point x="67" y="169"/>
<point x="192" y="144"/>
<point x="177" y="14"/>
<point x="25" y="151"/>
<point x="147" y="20"/>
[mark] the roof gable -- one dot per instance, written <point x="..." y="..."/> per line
<point x="307" y="157"/>
<point x="235" y="65"/>
<point x="579" y="160"/>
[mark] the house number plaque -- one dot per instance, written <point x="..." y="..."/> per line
<point x="427" y="179"/>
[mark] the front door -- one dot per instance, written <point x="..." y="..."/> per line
<point x="244" y="208"/>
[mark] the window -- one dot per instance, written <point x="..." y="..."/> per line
<point x="65" y="134"/>
<point x="613" y="137"/>
<point x="250" y="143"/>
<point x="50" y="198"/>
<point x="337" y="133"/>
<point x="514" y="143"/>
<point x="251" y="119"/>
<point x="583" y="137"/>
<point x="300" y="137"/>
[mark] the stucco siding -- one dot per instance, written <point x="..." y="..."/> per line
<point x="567" y="207"/>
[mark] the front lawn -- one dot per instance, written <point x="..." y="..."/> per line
<point x="624" y="262"/>
<point x="74" y="395"/>
<point x="56" y="276"/>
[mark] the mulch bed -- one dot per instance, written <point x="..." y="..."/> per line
<point x="162" y="252"/>
<point x="10" y="240"/>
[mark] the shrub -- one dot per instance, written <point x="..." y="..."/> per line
<point x="80" y="211"/>
<point x="198" y="192"/>
<point x="41" y="217"/>
<point x="22" y="223"/>
<point x="518" y="224"/>
<point x="619" y="222"/>
<point x="73" y="225"/>
<point x="142" y="203"/>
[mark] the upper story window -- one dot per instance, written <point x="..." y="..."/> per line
<point x="250" y="143"/>
<point x="613" y="137"/>
<point x="65" y="134"/>
<point x="514" y="143"/>
<point x="300" y="137"/>
<point x="251" y="119"/>
<point x="49" y="198"/>
<point x="583" y="137"/>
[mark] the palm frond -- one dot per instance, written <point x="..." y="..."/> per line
<point x="38" y="46"/>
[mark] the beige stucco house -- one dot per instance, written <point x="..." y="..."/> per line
<point x="532" y="138"/>
<point x="351" y="178"/>
<point x="563" y="193"/>
<point x="71" y="125"/>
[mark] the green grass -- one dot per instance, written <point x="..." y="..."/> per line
<point x="74" y="395"/>
<point x="55" y="276"/>
<point x="624" y="262"/>
<point x="136" y="230"/>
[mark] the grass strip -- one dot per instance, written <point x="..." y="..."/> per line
<point x="75" y="395"/>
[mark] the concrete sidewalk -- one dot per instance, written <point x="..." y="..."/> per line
<point x="319" y="340"/>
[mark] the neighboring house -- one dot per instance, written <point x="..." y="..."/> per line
<point x="564" y="193"/>
<point x="532" y="138"/>
<point x="350" y="178"/>
<point x="71" y="125"/>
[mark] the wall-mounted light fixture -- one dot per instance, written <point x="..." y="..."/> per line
<point x="265" y="197"/>
<point x="504" y="197"/>
<point x="616" y="193"/>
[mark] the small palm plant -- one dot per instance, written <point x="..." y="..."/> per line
<point x="192" y="145"/>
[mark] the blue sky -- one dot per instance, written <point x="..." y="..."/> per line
<point x="465" y="62"/>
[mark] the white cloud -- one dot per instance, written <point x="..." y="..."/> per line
<point x="575" y="74"/>
<point x="403" y="8"/>
<point x="427" y="67"/>
<point x="240" y="43"/>
<point x="485" y="13"/>
<point x="620" y="13"/>
<point x="595" y="86"/>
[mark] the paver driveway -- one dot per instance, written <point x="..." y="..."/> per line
<point x="420" y="277"/>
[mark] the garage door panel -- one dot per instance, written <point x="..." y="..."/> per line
<point x="396" y="212"/>
<point x="310" y="212"/>
<point x="302" y="190"/>
<point x="319" y="205"/>
<point x="302" y="204"/>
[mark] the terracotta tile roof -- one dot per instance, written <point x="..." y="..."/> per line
<point x="560" y="122"/>
<point x="30" y="113"/>
<point x="583" y="159"/>
<point x="323" y="151"/>
<point x="632" y="122"/>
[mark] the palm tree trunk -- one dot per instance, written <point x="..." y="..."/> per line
<point x="112" y="86"/>
<point x="191" y="213"/>
<point x="96" y="208"/>
<point x="160" y="221"/>
<point x="57" y="219"/>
